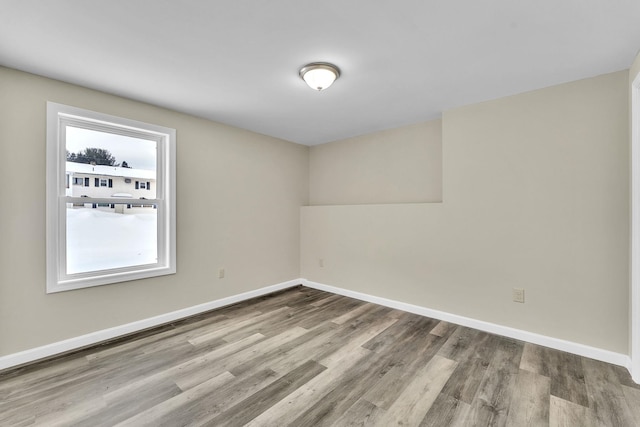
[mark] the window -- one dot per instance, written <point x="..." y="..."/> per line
<point x="143" y="185"/>
<point x="96" y="238"/>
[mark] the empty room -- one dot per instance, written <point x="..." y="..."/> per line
<point x="293" y="213"/>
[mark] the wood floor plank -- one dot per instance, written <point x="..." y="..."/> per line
<point x="443" y="329"/>
<point x="632" y="396"/>
<point x="121" y="371"/>
<point x="320" y="343"/>
<point x="530" y="402"/>
<point x="251" y="407"/>
<point x="221" y="332"/>
<point x="187" y="378"/>
<point x="74" y="414"/>
<point x="460" y="344"/>
<point x="563" y="413"/>
<point x="624" y="377"/>
<point x="326" y="300"/>
<point x="606" y="397"/>
<point x="473" y="352"/>
<point x="161" y="338"/>
<point x="330" y="311"/>
<point x="274" y="325"/>
<point x="491" y="404"/>
<point x="353" y="313"/>
<point x="10" y="415"/>
<point x="365" y="376"/>
<point x="415" y="401"/>
<point x="446" y="411"/>
<point x="403" y="330"/>
<point x="286" y="410"/>
<point x="355" y="332"/>
<point x="193" y="366"/>
<point x="284" y="355"/>
<point x="118" y="410"/>
<point x="23" y="378"/>
<point x="417" y="354"/>
<point x="202" y="411"/>
<point x="163" y="411"/>
<point x="45" y="393"/>
<point x="354" y="343"/>
<point x="291" y="297"/>
<point x="564" y="370"/>
<point x="203" y="402"/>
<point x="306" y="297"/>
<point x="347" y="391"/>
<point x="21" y="420"/>
<point x="361" y="414"/>
<point x="304" y="357"/>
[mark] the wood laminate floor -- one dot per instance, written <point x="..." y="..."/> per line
<point x="303" y="357"/>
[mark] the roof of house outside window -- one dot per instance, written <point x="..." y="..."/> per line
<point x="89" y="169"/>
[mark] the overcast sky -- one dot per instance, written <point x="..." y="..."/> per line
<point x="138" y="153"/>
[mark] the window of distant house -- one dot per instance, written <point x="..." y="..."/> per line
<point x="96" y="231"/>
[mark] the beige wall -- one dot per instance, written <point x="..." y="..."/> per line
<point x="536" y="196"/>
<point x="238" y="197"/>
<point x="401" y="165"/>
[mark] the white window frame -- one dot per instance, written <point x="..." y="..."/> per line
<point x="58" y="117"/>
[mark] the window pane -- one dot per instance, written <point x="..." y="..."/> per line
<point x="108" y="237"/>
<point x="98" y="157"/>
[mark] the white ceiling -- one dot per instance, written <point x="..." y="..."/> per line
<point x="237" y="61"/>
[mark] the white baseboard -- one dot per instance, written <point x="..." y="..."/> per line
<point x="31" y="355"/>
<point x="555" y="343"/>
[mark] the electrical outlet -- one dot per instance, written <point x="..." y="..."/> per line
<point x="518" y="295"/>
<point x="221" y="273"/>
<point x="321" y="262"/>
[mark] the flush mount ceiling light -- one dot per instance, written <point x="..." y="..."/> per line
<point x="319" y="75"/>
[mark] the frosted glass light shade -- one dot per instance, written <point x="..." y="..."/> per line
<point x="319" y="75"/>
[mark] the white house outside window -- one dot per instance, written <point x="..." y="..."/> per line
<point x="106" y="227"/>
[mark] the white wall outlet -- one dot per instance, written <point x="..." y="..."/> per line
<point x="321" y="262"/>
<point x="518" y="295"/>
<point x="221" y="273"/>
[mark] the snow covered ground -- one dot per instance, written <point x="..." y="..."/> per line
<point x="99" y="240"/>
